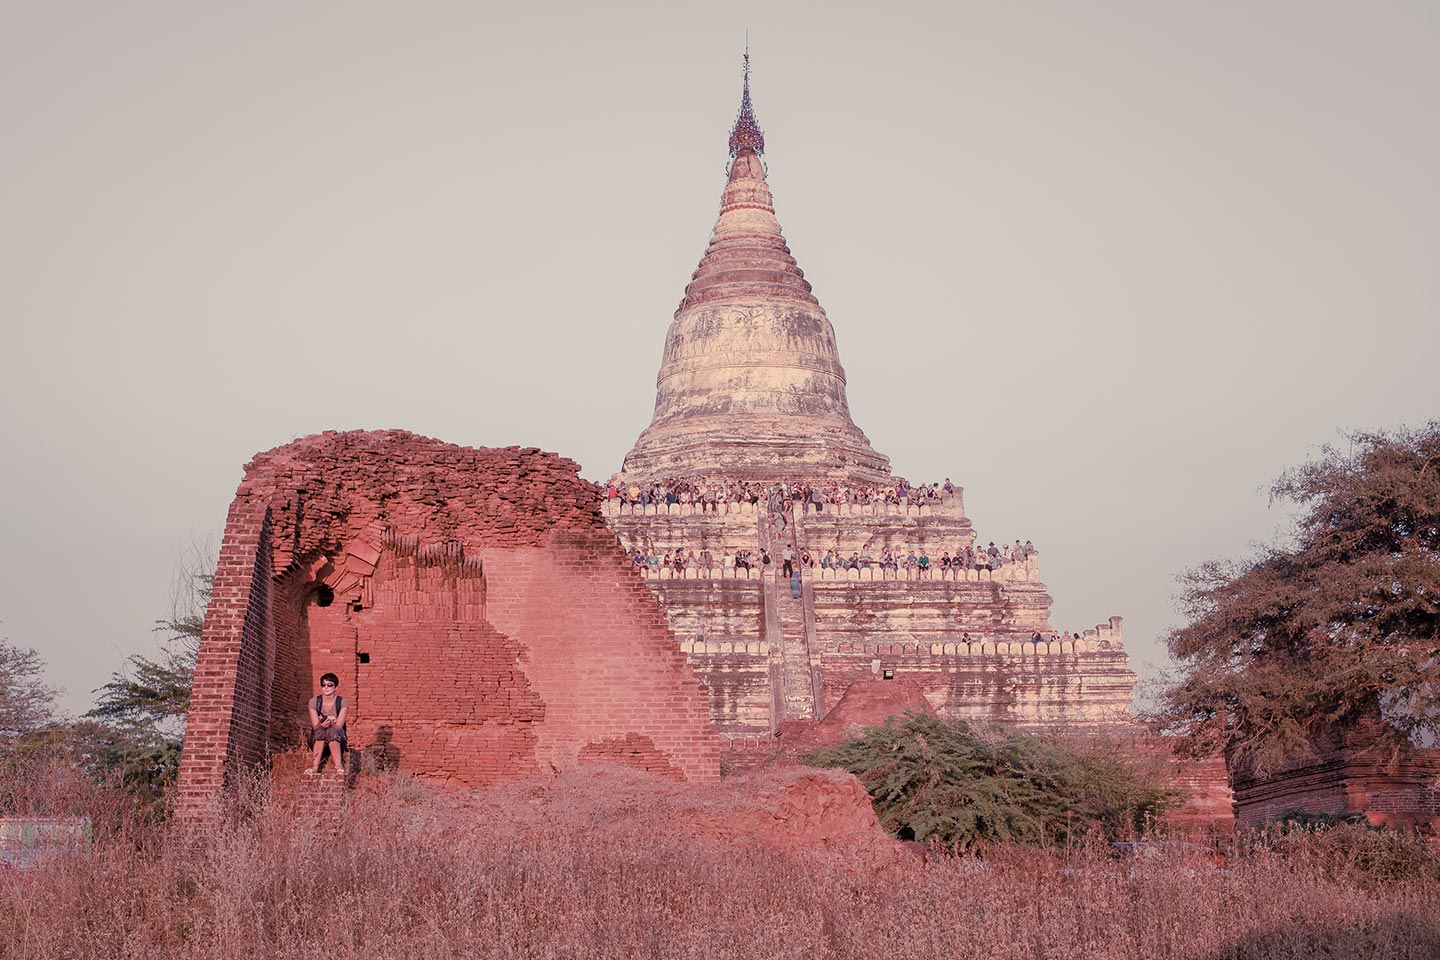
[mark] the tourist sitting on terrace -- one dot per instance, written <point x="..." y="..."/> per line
<point x="714" y="495"/>
<point x="328" y="713"/>
<point x="922" y="563"/>
<point x="827" y="562"/>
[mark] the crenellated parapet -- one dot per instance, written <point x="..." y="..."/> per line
<point x="950" y="505"/>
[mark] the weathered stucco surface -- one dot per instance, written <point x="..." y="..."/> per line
<point x="751" y="382"/>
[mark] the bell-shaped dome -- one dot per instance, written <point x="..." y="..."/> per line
<point x="751" y="384"/>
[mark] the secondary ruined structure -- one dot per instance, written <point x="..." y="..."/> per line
<point x="751" y="389"/>
<point x="1347" y="771"/>
<point x="483" y="621"/>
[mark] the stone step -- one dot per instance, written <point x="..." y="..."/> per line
<point x="291" y="782"/>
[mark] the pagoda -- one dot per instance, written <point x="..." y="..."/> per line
<point x="751" y="383"/>
<point x="751" y="396"/>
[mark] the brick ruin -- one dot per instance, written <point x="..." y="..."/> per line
<point x="483" y="620"/>
<point x="1344" y="772"/>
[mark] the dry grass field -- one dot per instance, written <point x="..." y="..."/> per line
<point x="594" y="866"/>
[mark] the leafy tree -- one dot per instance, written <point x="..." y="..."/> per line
<point x="950" y="782"/>
<point x="1338" y="626"/>
<point x="138" y="723"/>
<point x="26" y="703"/>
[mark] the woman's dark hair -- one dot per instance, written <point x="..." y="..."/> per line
<point x="331" y="677"/>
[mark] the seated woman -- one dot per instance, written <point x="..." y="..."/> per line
<point x="328" y="713"/>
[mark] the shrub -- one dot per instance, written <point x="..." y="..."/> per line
<point x="951" y="783"/>
<point x="1346" y="849"/>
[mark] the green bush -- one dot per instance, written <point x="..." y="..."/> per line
<point x="959" y="786"/>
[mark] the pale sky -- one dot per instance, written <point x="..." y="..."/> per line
<point x="1110" y="266"/>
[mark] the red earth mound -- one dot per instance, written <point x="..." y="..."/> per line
<point x="790" y="811"/>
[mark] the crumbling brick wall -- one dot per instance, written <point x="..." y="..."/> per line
<point x="484" y="622"/>
<point x="1345" y="772"/>
<point x="230" y="695"/>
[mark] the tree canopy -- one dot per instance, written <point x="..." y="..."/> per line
<point x="1337" y="626"/>
<point x="26" y="702"/>
<point x="137" y="726"/>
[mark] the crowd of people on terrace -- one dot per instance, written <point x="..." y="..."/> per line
<point x="892" y="563"/>
<point x="715" y="496"/>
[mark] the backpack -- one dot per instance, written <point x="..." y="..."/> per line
<point x="320" y="703"/>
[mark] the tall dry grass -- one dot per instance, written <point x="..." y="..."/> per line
<point x="584" y="866"/>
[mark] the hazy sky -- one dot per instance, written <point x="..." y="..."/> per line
<point x="1111" y="266"/>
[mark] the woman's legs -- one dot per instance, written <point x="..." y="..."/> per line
<point x="315" y="756"/>
<point x="335" y="757"/>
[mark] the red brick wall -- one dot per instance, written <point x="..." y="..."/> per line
<point x="230" y="696"/>
<point x="1401" y="791"/>
<point x="601" y="655"/>
<point x="504" y="630"/>
<point x="446" y="700"/>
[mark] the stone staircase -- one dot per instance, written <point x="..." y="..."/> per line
<point x="786" y="623"/>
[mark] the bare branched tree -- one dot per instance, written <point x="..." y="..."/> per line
<point x="26" y="703"/>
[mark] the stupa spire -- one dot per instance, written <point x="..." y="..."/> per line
<point x="746" y="132"/>
<point x="750" y="382"/>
